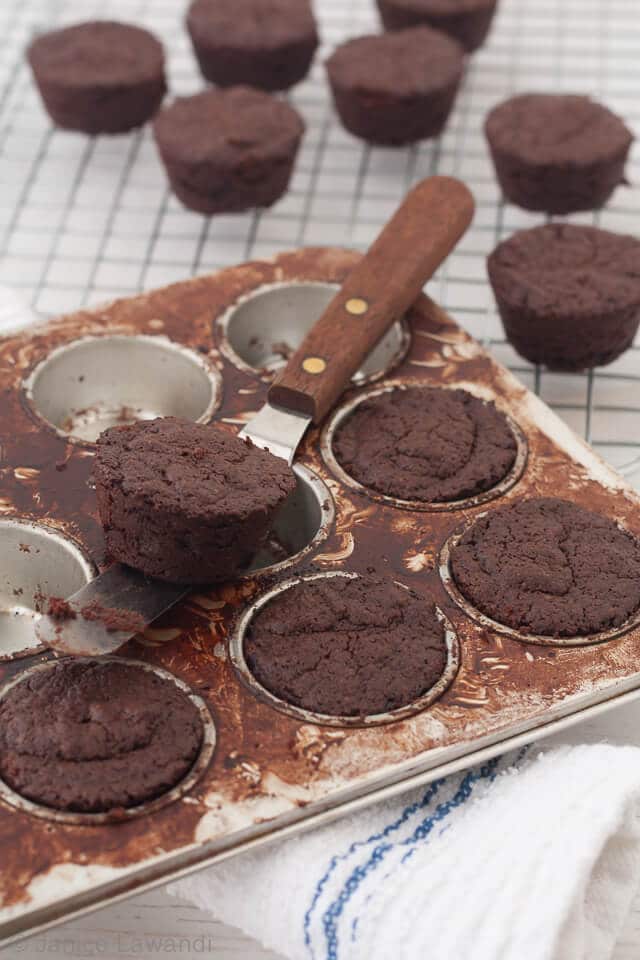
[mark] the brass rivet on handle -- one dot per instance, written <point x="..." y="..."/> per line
<point x="356" y="306"/>
<point x="314" y="365"/>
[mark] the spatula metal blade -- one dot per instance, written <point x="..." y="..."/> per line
<point x="276" y="430"/>
<point x="124" y="592"/>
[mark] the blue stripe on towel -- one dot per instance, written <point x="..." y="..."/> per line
<point x="408" y="811"/>
<point x="376" y="857"/>
<point x="333" y="913"/>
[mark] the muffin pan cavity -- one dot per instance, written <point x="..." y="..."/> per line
<point x="37" y="563"/>
<point x="263" y="328"/>
<point x="342" y="414"/>
<point x="83" y="387"/>
<point x="239" y="660"/>
<point x="302" y="522"/>
<point x="122" y="812"/>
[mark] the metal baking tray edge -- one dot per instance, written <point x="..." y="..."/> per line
<point x="350" y="800"/>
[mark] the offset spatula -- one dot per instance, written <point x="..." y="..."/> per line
<point x="379" y="290"/>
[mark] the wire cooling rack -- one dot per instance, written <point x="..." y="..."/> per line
<point x="85" y="220"/>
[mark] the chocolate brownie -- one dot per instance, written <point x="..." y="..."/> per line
<point x="228" y="150"/>
<point x="347" y="647"/>
<point x="100" y="76"/>
<point x="569" y="296"/>
<point x="396" y="88"/>
<point x="93" y="735"/>
<point x="557" y="153"/>
<point x="426" y="444"/>
<point x="186" y="502"/>
<point x="264" y="43"/>
<point x="549" y="567"/>
<point x="468" y="21"/>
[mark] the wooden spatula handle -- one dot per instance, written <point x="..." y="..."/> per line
<point x="381" y="288"/>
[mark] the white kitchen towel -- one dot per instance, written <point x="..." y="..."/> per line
<point x="525" y="858"/>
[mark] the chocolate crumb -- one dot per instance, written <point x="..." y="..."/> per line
<point x="282" y="349"/>
<point x="61" y="609"/>
<point x="113" y="618"/>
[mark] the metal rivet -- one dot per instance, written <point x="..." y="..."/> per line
<point x="356" y="306"/>
<point x="314" y="365"/>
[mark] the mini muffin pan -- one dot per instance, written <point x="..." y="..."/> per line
<point x="207" y="349"/>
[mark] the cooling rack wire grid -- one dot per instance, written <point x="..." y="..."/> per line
<point x="86" y="220"/>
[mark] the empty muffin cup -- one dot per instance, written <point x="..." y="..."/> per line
<point x="369" y="686"/>
<point x="419" y="447"/>
<point x="38" y="563"/>
<point x="88" y="385"/>
<point x="79" y="772"/>
<point x="301" y="523"/>
<point x="263" y="328"/>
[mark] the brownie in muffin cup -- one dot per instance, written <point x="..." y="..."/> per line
<point x="426" y="444"/>
<point x="186" y="502"/>
<point x="228" y="150"/>
<point x="557" y="153"/>
<point x="90" y="736"/>
<point x="568" y="296"/>
<point x="100" y="76"/>
<point x="396" y="88"/>
<point x="467" y="21"/>
<point x="262" y="43"/>
<point x="549" y="567"/>
<point x="347" y="646"/>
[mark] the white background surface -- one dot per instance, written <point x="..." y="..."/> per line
<point x="84" y="220"/>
